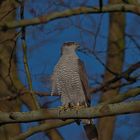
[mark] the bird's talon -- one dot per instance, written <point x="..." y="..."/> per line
<point x="63" y="108"/>
<point x="78" y="107"/>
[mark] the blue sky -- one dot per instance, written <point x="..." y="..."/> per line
<point x="44" y="43"/>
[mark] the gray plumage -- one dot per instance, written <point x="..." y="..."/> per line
<point x="66" y="78"/>
<point x="69" y="79"/>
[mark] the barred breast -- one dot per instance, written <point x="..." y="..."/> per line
<point x="67" y="81"/>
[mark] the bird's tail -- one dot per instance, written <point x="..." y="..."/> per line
<point x="90" y="129"/>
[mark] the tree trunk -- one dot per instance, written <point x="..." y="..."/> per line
<point x="7" y="69"/>
<point x="115" y="59"/>
<point x="9" y="80"/>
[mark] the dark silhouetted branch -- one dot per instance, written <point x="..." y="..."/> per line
<point x="42" y="127"/>
<point x="71" y="12"/>
<point x="126" y="75"/>
<point x="25" y="60"/>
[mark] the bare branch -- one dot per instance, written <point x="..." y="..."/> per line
<point x="25" y="60"/>
<point x="71" y="12"/>
<point x="83" y="113"/>
<point x="42" y="127"/>
<point x="123" y="96"/>
<point x="126" y="75"/>
<point x="7" y="13"/>
<point x="59" y="123"/>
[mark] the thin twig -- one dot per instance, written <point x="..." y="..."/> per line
<point x="6" y="14"/>
<point x="126" y="75"/>
<point x="26" y="66"/>
<point x="42" y="127"/>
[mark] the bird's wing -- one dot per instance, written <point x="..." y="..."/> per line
<point x="53" y="83"/>
<point x="84" y="80"/>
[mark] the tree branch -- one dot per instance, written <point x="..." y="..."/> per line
<point x="123" y="96"/>
<point x="42" y="127"/>
<point x="83" y="113"/>
<point x="126" y="75"/>
<point x="25" y="60"/>
<point x="71" y="12"/>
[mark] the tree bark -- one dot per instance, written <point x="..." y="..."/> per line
<point x="115" y="59"/>
<point x="9" y="80"/>
<point x="7" y="69"/>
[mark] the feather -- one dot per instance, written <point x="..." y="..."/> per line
<point x="84" y="81"/>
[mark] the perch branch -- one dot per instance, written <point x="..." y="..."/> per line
<point x="83" y="113"/>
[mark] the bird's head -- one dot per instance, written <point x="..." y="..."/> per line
<point x="70" y="47"/>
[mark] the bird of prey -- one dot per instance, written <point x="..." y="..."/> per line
<point x="69" y="79"/>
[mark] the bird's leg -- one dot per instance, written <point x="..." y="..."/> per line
<point x="78" y="106"/>
<point x="64" y="107"/>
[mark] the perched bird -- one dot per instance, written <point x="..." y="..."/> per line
<point x="69" y="79"/>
